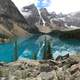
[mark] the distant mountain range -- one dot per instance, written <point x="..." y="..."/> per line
<point x="47" y="22"/>
<point x="12" y="22"/>
<point x="73" y="19"/>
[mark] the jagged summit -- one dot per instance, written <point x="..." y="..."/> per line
<point x="33" y="20"/>
<point x="41" y="18"/>
<point x="47" y="22"/>
<point x="32" y="15"/>
<point x="44" y="14"/>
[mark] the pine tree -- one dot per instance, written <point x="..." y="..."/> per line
<point x="49" y="55"/>
<point x="47" y="50"/>
<point x="13" y="39"/>
<point x="34" y="56"/>
<point x="15" y="50"/>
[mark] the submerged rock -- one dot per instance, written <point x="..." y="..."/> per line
<point x="59" y="58"/>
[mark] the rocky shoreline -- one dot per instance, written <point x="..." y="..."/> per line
<point x="66" y="68"/>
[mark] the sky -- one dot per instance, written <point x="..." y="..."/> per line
<point x="59" y="6"/>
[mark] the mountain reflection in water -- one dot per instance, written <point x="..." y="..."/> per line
<point x="59" y="46"/>
<point x="34" y="44"/>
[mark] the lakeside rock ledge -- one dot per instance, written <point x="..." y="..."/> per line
<point x="66" y="69"/>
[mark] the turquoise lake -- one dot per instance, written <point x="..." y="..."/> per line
<point x="34" y="45"/>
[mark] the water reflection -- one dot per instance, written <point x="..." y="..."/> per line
<point x="39" y="44"/>
<point x="35" y="45"/>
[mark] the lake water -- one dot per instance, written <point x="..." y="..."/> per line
<point x="34" y="45"/>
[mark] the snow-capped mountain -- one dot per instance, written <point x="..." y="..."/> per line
<point x="73" y="19"/>
<point x="42" y="19"/>
<point x="33" y="20"/>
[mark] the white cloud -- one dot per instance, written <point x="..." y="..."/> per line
<point x="22" y="3"/>
<point x="45" y="1"/>
<point x="65" y="6"/>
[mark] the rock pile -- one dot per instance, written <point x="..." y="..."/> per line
<point x="67" y="68"/>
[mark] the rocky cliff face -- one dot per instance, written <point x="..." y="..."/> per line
<point x="11" y="21"/>
<point x="73" y="19"/>
<point x="32" y="15"/>
<point x="34" y="20"/>
<point x="47" y="22"/>
<point x="44" y="21"/>
<point x="8" y="9"/>
<point x="45" y="14"/>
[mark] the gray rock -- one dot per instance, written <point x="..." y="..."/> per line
<point x="46" y="76"/>
<point x="20" y="74"/>
<point x="74" y="68"/>
<point x="4" y="72"/>
<point x="67" y="75"/>
<point x="33" y="16"/>
<point x="60" y="74"/>
<point x="59" y="58"/>
<point x="76" y="76"/>
<point x="41" y="70"/>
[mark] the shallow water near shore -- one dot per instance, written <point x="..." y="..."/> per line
<point x="27" y="46"/>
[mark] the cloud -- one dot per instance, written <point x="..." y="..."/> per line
<point x="64" y="6"/>
<point x="21" y="3"/>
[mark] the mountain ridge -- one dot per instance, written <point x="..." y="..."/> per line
<point x="9" y="17"/>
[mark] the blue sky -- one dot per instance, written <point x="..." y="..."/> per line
<point x="42" y="3"/>
<point x="64" y="6"/>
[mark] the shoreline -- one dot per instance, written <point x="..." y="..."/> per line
<point x="66" y="69"/>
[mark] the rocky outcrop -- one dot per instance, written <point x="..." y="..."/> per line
<point x="34" y="20"/>
<point x="66" y="69"/>
<point x="41" y="19"/>
<point x="32" y="16"/>
<point x="73" y="19"/>
<point x="11" y="20"/>
<point x="45" y="15"/>
<point x="45" y="22"/>
<point x="8" y="9"/>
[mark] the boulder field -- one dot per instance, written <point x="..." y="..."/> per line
<point x="63" y="68"/>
